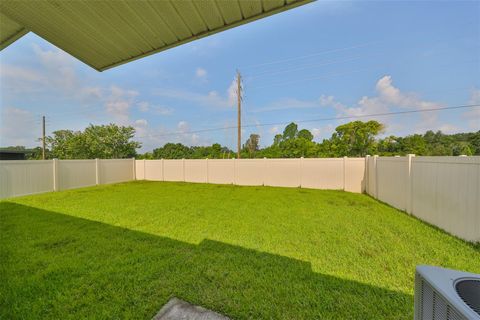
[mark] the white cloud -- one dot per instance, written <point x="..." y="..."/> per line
<point x="145" y="106"/>
<point x="59" y="66"/>
<point x="316" y="132"/>
<point x="210" y="99"/>
<point x="232" y="94"/>
<point x="141" y="122"/>
<point x="17" y="127"/>
<point x="287" y="104"/>
<point x="183" y="126"/>
<point x="19" y="80"/>
<point x="201" y="73"/>
<point x="118" y="104"/>
<point x="472" y="116"/>
<point x="474" y="96"/>
<point x="387" y="99"/>
<point x="274" y="130"/>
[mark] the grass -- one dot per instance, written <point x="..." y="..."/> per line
<point x="121" y="251"/>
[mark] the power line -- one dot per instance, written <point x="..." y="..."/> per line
<point x="319" y="120"/>
<point x="310" y="55"/>
<point x="305" y="66"/>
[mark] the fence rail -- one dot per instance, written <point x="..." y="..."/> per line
<point x="444" y="191"/>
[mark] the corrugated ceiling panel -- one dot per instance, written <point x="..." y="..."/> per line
<point x="230" y="11"/>
<point x="210" y="14"/>
<point x="123" y="23"/>
<point x="272" y="4"/>
<point x="40" y="18"/>
<point x="10" y="31"/>
<point x="251" y="8"/>
<point x="169" y="15"/>
<point x="190" y="16"/>
<point x="104" y="34"/>
<point x="95" y="22"/>
<point x="154" y="22"/>
<point x="76" y="11"/>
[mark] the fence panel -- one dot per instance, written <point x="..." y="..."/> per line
<point x="322" y="173"/>
<point x="249" y="172"/>
<point x="196" y="170"/>
<point x="22" y="177"/>
<point x="392" y="179"/>
<point x="371" y="176"/>
<point x="282" y="172"/>
<point x="221" y="171"/>
<point x="116" y="170"/>
<point x="76" y="174"/>
<point x="140" y="169"/>
<point x="173" y="170"/>
<point x="354" y="175"/>
<point x="154" y="170"/>
<point x="446" y="192"/>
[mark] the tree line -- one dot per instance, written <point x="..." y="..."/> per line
<point x="353" y="139"/>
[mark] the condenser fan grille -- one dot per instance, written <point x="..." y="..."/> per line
<point x="469" y="291"/>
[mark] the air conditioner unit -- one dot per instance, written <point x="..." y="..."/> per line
<point x="444" y="294"/>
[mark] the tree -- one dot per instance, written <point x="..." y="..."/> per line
<point x="277" y="139"/>
<point x="290" y="131"/>
<point x="305" y="134"/>
<point x="96" y="141"/>
<point x="172" y="151"/>
<point x="252" y="144"/>
<point x="356" y="138"/>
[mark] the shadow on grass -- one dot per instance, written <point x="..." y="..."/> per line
<point x="57" y="266"/>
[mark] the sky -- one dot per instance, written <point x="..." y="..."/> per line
<point x="312" y="64"/>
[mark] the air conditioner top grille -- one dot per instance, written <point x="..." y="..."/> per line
<point x="469" y="291"/>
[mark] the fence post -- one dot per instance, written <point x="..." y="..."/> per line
<point x="409" y="205"/>
<point x="264" y="175"/>
<point x="144" y="169"/>
<point x="134" y="169"/>
<point x="367" y="174"/>
<point x="344" y="172"/>
<point x="55" y="175"/>
<point x="163" y="171"/>
<point x="234" y="172"/>
<point x="301" y="171"/>
<point x="207" y="168"/>
<point x="183" y="165"/>
<point x="97" y="171"/>
<point x="375" y="170"/>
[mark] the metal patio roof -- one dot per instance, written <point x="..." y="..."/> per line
<point x="105" y="34"/>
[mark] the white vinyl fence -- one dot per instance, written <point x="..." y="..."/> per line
<point x="23" y="177"/>
<point x="331" y="173"/>
<point x="443" y="191"/>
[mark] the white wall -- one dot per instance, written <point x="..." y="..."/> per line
<point x="443" y="191"/>
<point x="116" y="170"/>
<point x="446" y="193"/>
<point x="335" y="173"/>
<point x="76" y="174"/>
<point x="22" y="177"/>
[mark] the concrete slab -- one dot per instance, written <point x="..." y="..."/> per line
<point x="177" y="309"/>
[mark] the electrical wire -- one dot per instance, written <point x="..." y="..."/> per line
<point x="317" y="120"/>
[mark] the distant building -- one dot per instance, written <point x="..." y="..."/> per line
<point x="8" y="154"/>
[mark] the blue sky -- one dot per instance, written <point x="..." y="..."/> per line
<point x="322" y="60"/>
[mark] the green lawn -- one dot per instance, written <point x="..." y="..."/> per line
<point x="121" y="251"/>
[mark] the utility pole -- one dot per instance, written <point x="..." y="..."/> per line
<point x="239" y="114"/>
<point x="43" y="137"/>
